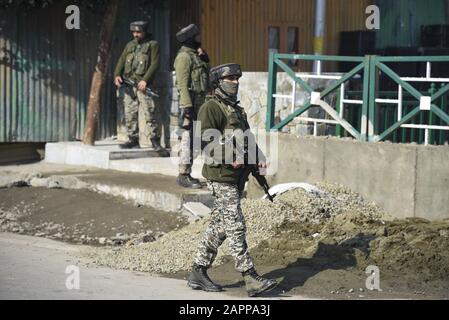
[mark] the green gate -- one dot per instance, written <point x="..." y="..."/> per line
<point x="425" y="106"/>
<point x="371" y="127"/>
<point x="316" y="98"/>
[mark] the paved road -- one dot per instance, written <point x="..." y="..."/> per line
<point x="34" y="268"/>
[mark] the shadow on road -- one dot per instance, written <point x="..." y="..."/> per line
<point x="326" y="257"/>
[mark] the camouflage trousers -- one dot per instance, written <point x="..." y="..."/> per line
<point x="131" y="113"/>
<point x="227" y="221"/>
<point x="187" y="153"/>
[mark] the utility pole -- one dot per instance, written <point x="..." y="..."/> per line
<point x="320" y="23"/>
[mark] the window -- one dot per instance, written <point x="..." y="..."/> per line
<point x="283" y="38"/>
<point x="292" y="39"/>
<point x="273" y="39"/>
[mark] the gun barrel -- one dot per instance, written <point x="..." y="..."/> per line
<point x="132" y="83"/>
<point x="261" y="180"/>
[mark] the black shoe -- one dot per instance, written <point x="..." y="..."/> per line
<point x="156" y="145"/>
<point x="256" y="284"/>
<point x="186" y="181"/>
<point x="199" y="280"/>
<point x="195" y="180"/>
<point x="131" y="144"/>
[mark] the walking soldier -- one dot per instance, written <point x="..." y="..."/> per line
<point x="224" y="179"/>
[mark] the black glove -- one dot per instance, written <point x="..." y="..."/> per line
<point x="205" y="57"/>
<point x="186" y="117"/>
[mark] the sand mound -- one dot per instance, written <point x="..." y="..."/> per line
<point x="336" y="226"/>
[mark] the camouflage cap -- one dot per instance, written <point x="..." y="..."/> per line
<point x="140" y="26"/>
<point x="188" y="32"/>
<point x="224" y="70"/>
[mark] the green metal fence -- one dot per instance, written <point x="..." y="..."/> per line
<point x="405" y="115"/>
<point x="316" y="98"/>
<point x="423" y="109"/>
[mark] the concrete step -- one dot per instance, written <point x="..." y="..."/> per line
<point x="107" y="155"/>
<point x="165" y="166"/>
<point x="102" y="150"/>
<point x="150" y="190"/>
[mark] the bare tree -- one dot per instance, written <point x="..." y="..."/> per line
<point x="99" y="76"/>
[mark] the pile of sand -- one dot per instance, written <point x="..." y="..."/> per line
<point x="174" y="251"/>
<point x="335" y="227"/>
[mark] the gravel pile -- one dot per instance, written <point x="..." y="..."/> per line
<point x="9" y="219"/>
<point x="174" y="251"/>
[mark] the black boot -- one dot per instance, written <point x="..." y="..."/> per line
<point x="256" y="284"/>
<point x="130" y="144"/>
<point x="195" y="180"/>
<point x="156" y="145"/>
<point x="186" y="181"/>
<point x="199" y="280"/>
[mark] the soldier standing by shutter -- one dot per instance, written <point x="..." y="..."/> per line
<point x="192" y="71"/>
<point x="139" y="62"/>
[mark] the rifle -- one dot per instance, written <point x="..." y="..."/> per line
<point x="253" y="169"/>
<point x="261" y="180"/>
<point x="132" y="84"/>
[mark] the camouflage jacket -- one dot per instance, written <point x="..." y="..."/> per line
<point x="192" y="75"/>
<point x="139" y="61"/>
<point x="215" y="114"/>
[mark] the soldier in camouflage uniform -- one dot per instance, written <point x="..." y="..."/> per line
<point x="192" y="70"/>
<point x="139" y="62"/>
<point x="224" y="173"/>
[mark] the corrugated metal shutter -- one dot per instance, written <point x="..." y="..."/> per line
<point x="46" y="70"/>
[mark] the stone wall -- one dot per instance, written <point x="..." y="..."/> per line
<point x="253" y="97"/>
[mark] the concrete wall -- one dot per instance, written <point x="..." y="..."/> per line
<point x="406" y="180"/>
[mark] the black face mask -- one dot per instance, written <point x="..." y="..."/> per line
<point x="192" y="43"/>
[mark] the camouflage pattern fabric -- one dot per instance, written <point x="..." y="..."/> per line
<point x="131" y="113"/>
<point x="226" y="221"/>
<point x="186" y="152"/>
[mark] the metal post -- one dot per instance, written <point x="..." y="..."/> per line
<point x="431" y="137"/>
<point x="340" y="107"/>
<point x="372" y="98"/>
<point x="271" y="100"/>
<point x="320" y="18"/>
<point x="364" y="119"/>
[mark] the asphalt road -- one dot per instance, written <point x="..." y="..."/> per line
<point x="35" y="268"/>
